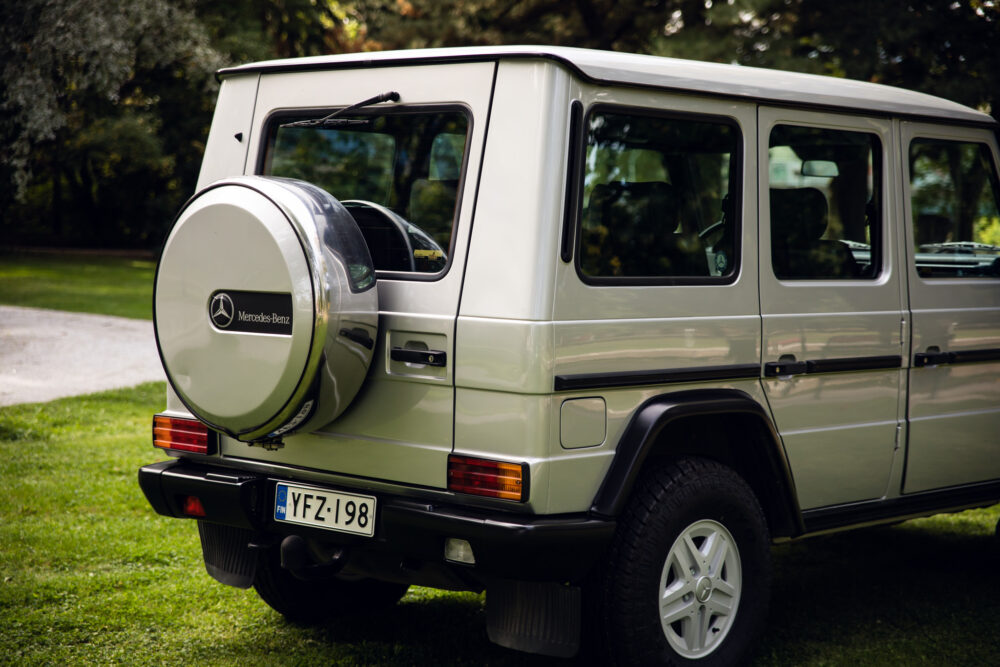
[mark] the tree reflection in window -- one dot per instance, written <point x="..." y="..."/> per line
<point x="408" y="164"/>
<point x="656" y="197"/>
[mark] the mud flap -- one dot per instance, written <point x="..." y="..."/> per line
<point x="534" y="617"/>
<point x="227" y="553"/>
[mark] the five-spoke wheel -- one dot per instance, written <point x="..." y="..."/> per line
<point x="700" y="586"/>
<point x="689" y="573"/>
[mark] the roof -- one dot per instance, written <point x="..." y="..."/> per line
<point x="609" y="67"/>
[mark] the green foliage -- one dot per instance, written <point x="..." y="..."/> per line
<point x="987" y="230"/>
<point x="90" y="144"/>
<point x="622" y="25"/>
<point x="942" y="48"/>
<point x="249" y="30"/>
<point x="120" y="286"/>
<point x="104" y="108"/>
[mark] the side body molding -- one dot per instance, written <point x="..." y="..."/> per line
<point x="756" y="451"/>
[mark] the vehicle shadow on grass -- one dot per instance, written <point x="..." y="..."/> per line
<point x="442" y="630"/>
<point x="906" y="594"/>
<point x="915" y="592"/>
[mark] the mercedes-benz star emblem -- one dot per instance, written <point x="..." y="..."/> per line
<point x="221" y="310"/>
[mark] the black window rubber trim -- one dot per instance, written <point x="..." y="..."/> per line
<point x="923" y="359"/>
<point x="574" y="178"/>
<point x="737" y="161"/>
<point x="663" y="376"/>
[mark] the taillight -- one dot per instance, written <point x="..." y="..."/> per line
<point x="482" y="477"/>
<point x="185" y="435"/>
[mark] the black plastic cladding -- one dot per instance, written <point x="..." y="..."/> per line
<point x="654" y="416"/>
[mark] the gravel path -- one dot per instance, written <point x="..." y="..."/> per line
<point x="48" y="354"/>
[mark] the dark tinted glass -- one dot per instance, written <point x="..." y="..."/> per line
<point x="398" y="174"/>
<point x="825" y="199"/>
<point x="656" y="197"/>
<point x="956" y="223"/>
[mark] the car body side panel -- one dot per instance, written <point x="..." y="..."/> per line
<point x="519" y="216"/>
<point x="839" y="428"/>
<point x="527" y="317"/>
<point x="231" y="134"/>
<point x="954" y="409"/>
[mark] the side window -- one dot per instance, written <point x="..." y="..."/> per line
<point x="954" y="198"/>
<point x="658" y="198"/>
<point x="825" y="198"/>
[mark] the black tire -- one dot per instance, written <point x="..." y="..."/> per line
<point x="720" y="609"/>
<point x="313" y="602"/>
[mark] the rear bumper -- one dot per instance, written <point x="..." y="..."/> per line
<point x="512" y="546"/>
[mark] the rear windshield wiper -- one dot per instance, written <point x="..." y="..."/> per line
<point x="326" y="121"/>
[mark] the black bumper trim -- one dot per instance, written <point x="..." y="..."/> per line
<point x="542" y="548"/>
<point x="231" y="498"/>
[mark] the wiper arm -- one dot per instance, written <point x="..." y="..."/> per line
<point x="391" y="96"/>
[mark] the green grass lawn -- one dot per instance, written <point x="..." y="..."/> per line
<point x="80" y="283"/>
<point x="89" y="574"/>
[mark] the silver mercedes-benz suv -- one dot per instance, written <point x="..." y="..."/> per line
<point x="588" y="331"/>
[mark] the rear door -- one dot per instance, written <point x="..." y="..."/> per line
<point x="831" y="304"/>
<point x="407" y="171"/>
<point x="953" y="256"/>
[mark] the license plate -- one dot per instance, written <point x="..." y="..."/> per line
<point x="343" y="512"/>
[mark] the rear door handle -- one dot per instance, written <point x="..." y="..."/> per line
<point x="425" y="357"/>
<point x="932" y="357"/>
<point x="787" y="366"/>
<point x="359" y="336"/>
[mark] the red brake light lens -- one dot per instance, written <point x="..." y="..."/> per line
<point x="185" y="435"/>
<point x="482" y="477"/>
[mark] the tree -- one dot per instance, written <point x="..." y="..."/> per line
<point x="250" y="30"/>
<point x="104" y="107"/>
<point x="941" y="48"/>
<point x="624" y="25"/>
<point x="86" y="153"/>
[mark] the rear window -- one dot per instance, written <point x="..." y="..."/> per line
<point x="399" y="174"/>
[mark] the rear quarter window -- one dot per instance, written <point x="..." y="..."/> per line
<point x="658" y="198"/>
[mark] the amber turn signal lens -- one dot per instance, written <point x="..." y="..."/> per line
<point x="185" y="435"/>
<point x="482" y="477"/>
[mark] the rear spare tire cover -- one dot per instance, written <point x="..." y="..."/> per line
<point x="265" y="307"/>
